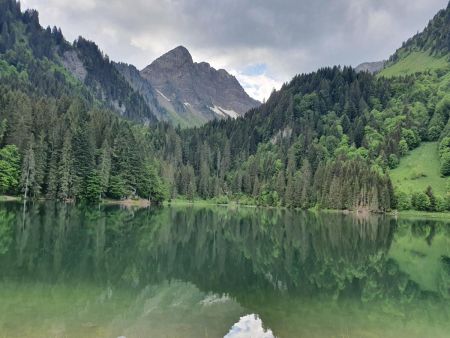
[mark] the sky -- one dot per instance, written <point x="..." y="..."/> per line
<point x="264" y="43"/>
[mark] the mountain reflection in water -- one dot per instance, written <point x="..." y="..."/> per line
<point x="71" y="271"/>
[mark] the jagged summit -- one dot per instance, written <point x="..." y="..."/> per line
<point x="176" y="57"/>
<point x="196" y="91"/>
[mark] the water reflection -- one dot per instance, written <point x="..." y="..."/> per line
<point x="194" y="272"/>
<point x="249" y="326"/>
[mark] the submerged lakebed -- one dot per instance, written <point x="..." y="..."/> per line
<point x="184" y="271"/>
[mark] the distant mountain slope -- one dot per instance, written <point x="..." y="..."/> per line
<point x="131" y="74"/>
<point x="107" y="84"/>
<point x="371" y="67"/>
<point x="55" y="67"/>
<point x="196" y="90"/>
<point x="427" y="50"/>
<point x="163" y="110"/>
<point x="434" y="38"/>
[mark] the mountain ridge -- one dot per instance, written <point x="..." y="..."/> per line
<point x="195" y="88"/>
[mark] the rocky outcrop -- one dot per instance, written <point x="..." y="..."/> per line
<point x="143" y="87"/>
<point x="371" y="67"/>
<point x="196" y="90"/>
<point x="74" y="65"/>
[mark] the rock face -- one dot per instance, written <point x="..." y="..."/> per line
<point x="196" y="91"/>
<point x="74" y="65"/>
<point x="143" y="87"/>
<point x="371" y="67"/>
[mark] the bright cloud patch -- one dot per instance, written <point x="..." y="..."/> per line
<point x="249" y="326"/>
<point x="258" y="86"/>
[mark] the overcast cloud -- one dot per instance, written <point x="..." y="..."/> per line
<point x="262" y="42"/>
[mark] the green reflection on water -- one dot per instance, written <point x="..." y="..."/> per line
<point x="69" y="271"/>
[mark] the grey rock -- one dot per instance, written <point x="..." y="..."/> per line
<point x="142" y="86"/>
<point x="74" y="65"/>
<point x="371" y="67"/>
<point x="196" y="90"/>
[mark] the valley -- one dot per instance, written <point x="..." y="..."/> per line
<point x="336" y="138"/>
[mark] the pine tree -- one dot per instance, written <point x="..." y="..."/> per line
<point x="93" y="188"/>
<point x="28" y="170"/>
<point x="306" y="181"/>
<point x="9" y="169"/>
<point x="281" y="185"/>
<point x="104" y="169"/>
<point x="190" y="193"/>
<point x="53" y="175"/>
<point x="65" y="170"/>
<point x="41" y="164"/>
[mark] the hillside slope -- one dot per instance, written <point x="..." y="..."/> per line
<point x="55" y="66"/>
<point x="420" y="169"/>
<point x="427" y="50"/>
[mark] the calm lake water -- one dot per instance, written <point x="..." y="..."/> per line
<point x="69" y="271"/>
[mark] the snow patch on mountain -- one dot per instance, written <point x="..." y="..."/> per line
<point x="164" y="96"/>
<point x="224" y="112"/>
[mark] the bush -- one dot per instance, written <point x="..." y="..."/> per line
<point x="441" y="204"/>
<point x="447" y="202"/>
<point x="403" y="147"/>
<point x="444" y="146"/>
<point x="411" y="138"/>
<point x="393" y="161"/>
<point x="445" y="164"/>
<point x="434" y="132"/>
<point x="420" y="201"/>
<point x="221" y="199"/>
<point x="430" y="194"/>
<point x="403" y="201"/>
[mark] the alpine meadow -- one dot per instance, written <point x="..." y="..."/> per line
<point x="321" y="210"/>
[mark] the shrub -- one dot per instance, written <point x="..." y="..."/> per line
<point x="393" y="161"/>
<point x="403" y="147"/>
<point x="441" y="204"/>
<point x="445" y="164"/>
<point x="420" y="201"/>
<point x="403" y="201"/>
<point x="411" y="138"/>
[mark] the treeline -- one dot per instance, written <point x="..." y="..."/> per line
<point x="326" y="139"/>
<point x="57" y="139"/>
<point x="42" y="54"/>
<point x="434" y="39"/>
<point x="63" y="149"/>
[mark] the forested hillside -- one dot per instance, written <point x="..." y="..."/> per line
<point x="327" y="139"/>
<point x="57" y="139"/>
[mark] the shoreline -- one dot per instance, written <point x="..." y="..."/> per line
<point x="8" y="198"/>
<point x="394" y="213"/>
<point x="143" y="203"/>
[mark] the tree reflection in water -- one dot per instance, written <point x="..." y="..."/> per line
<point x="295" y="270"/>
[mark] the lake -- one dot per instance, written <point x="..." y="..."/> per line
<point x="72" y="271"/>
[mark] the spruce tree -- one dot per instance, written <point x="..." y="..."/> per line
<point x="28" y="170"/>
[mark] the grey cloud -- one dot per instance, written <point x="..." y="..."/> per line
<point x="290" y="36"/>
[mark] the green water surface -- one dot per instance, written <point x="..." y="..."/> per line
<point x="72" y="271"/>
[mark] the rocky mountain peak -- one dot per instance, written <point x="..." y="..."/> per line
<point x="175" y="58"/>
<point x="195" y="90"/>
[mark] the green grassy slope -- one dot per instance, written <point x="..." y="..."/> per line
<point x="420" y="169"/>
<point x="415" y="62"/>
